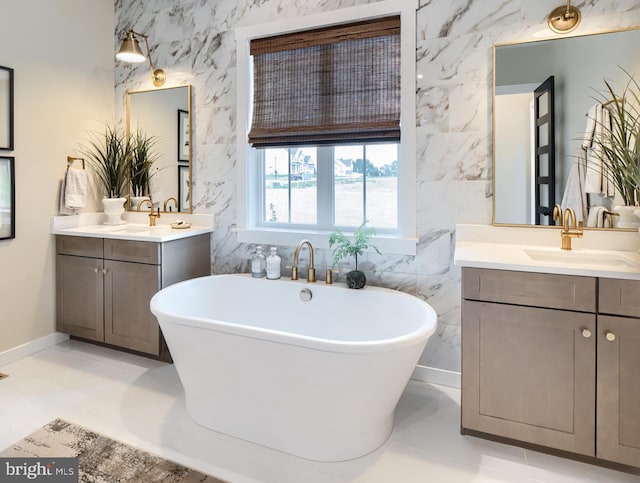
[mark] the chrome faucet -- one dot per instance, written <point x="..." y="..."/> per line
<point x="311" y="276"/>
<point x="570" y="229"/>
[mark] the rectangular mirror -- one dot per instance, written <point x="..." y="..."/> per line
<point x="6" y="108"/>
<point x="532" y="161"/>
<point x="166" y="115"/>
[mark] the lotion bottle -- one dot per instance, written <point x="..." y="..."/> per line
<point x="273" y="265"/>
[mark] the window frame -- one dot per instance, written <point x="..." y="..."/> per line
<point x="249" y="190"/>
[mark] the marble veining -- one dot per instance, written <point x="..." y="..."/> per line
<point x="193" y="41"/>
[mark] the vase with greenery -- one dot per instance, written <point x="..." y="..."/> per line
<point x="617" y="149"/>
<point x="108" y="154"/>
<point x="143" y="155"/>
<point x="346" y="248"/>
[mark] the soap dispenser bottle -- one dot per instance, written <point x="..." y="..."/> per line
<point x="273" y="265"/>
<point x="258" y="263"/>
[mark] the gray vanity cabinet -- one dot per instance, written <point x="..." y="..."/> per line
<point x="80" y="288"/>
<point x="618" y="394"/>
<point x="131" y="277"/>
<point x="104" y="286"/>
<point x="528" y="357"/>
<point x="542" y="364"/>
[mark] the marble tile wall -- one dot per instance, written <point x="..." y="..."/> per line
<point x="193" y="41"/>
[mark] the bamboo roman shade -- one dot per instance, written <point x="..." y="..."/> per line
<point x="327" y="86"/>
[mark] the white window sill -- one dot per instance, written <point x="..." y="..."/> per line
<point x="386" y="244"/>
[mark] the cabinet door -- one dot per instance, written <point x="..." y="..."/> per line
<point x="618" y="413"/>
<point x="529" y="374"/>
<point x="79" y="288"/>
<point x="128" y="321"/>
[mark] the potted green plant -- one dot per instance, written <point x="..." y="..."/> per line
<point x="142" y="158"/>
<point x="108" y="154"/>
<point x="617" y="149"/>
<point x="347" y="248"/>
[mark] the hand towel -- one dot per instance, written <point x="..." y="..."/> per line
<point x="62" y="209"/>
<point x="575" y="195"/>
<point x="75" y="191"/>
<point x="596" y="217"/>
<point x="587" y="141"/>
<point x="155" y="189"/>
<point x="596" y="136"/>
<point x="593" y="180"/>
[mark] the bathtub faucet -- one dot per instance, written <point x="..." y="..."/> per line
<point x="311" y="276"/>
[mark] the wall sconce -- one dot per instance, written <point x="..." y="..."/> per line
<point x="563" y="20"/>
<point x="130" y="52"/>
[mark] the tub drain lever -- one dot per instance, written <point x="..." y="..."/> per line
<point x="305" y="295"/>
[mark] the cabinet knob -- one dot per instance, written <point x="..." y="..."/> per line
<point x="586" y="333"/>
<point x="95" y="270"/>
<point x="610" y="336"/>
<point x="104" y="271"/>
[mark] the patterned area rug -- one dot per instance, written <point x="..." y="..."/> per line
<point x="101" y="459"/>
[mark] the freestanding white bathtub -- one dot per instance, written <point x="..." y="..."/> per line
<point x="318" y="379"/>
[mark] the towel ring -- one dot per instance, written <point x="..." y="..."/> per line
<point x="71" y="160"/>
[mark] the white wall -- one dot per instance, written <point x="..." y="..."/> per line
<point x="513" y="153"/>
<point x="62" y="52"/>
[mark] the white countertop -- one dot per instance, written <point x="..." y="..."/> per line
<point x="136" y="227"/>
<point x="598" y="254"/>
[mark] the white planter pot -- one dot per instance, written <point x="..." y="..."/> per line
<point x="628" y="217"/>
<point x="113" y="209"/>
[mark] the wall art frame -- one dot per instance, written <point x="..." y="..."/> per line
<point x="184" y="193"/>
<point x="7" y="197"/>
<point x="6" y="108"/>
<point x="183" y="136"/>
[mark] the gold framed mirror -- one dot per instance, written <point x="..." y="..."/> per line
<point x="165" y="116"/>
<point x="578" y="65"/>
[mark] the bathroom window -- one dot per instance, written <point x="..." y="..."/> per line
<point x="331" y="186"/>
<point x="326" y="105"/>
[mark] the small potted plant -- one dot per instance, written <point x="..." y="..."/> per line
<point x="347" y="248"/>
<point x="142" y="158"/>
<point x="109" y="155"/>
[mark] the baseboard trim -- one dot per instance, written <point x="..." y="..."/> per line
<point x="31" y="347"/>
<point x="437" y="376"/>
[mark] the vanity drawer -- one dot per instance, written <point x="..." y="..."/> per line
<point x="79" y="246"/>
<point x="532" y="289"/>
<point x="619" y="297"/>
<point x="132" y="251"/>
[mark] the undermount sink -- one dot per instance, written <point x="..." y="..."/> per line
<point x="590" y="258"/>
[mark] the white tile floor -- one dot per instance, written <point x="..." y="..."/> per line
<point x="140" y="402"/>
